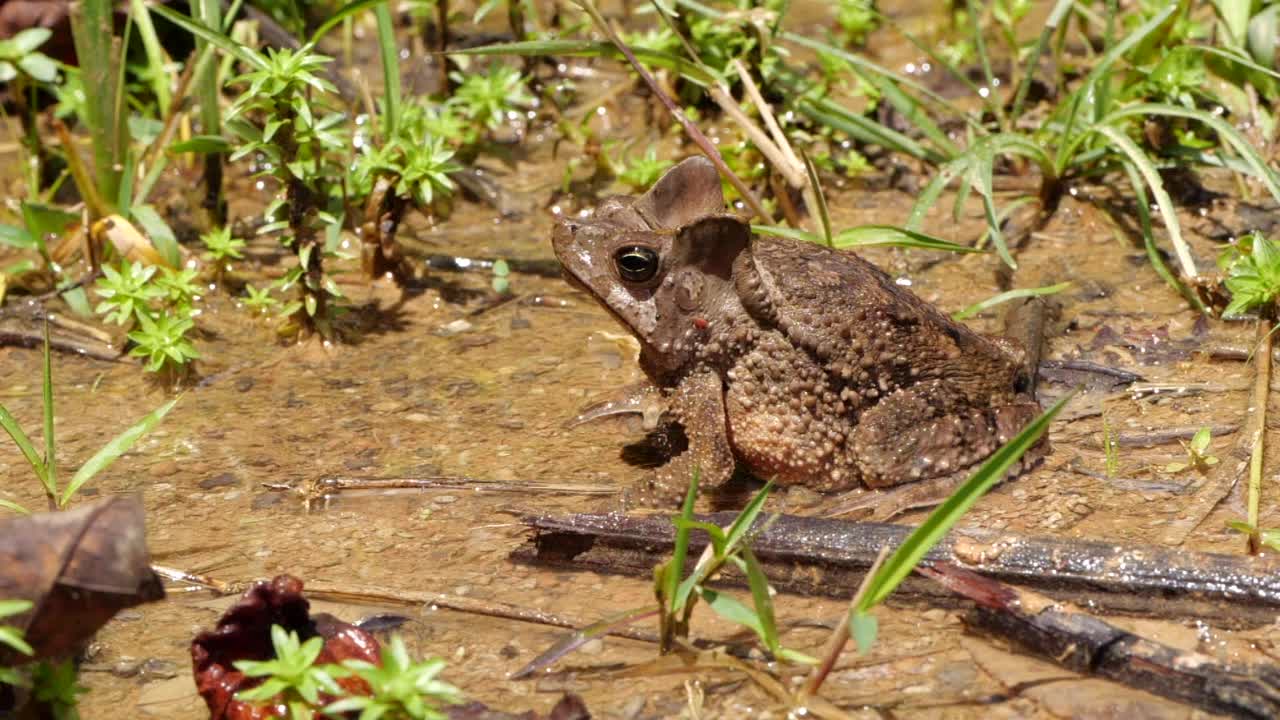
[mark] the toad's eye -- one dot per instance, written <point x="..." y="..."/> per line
<point x="636" y="263"/>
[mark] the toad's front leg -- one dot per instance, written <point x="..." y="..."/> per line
<point x="697" y="405"/>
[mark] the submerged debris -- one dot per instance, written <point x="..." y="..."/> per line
<point x="78" y="568"/>
<point x="829" y="557"/>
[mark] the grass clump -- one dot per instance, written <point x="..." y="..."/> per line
<point x="45" y="465"/>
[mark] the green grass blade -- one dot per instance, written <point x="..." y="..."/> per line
<point x="761" y="599"/>
<point x="1006" y="296"/>
<point x="28" y="450"/>
<point x="341" y="14"/>
<point x="728" y="607"/>
<point x="1149" y="241"/>
<point x="1152" y="178"/>
<point x="390" y="70"/>
<point x="741" y="524"/>
<point x="991" y="99"/>
<point x="1234" y="58"/>
<point x="114" y="449"/>
<point x="788" y="232"/>
<point x="913" y="111"/>
<point x="1003" y="216"/>
<point x="1102" y="72"/>
<point x="159" y="232"/>
<point x="834" y="115"/>
<point x="578" y="638"/>
<point x="215" y="38"/>
<point x="934" y="189"/>
<point x="1225" y="130"/>
<point x="154" y="53"/>
<point x="940" y="521"/>
<point x="819" y="197"/>
<point x="687" y="69"/>
<point x="893" y="236"/>
<point x="12" y="637"/>
<point x="877" y="70"/>
<point x="1056" y="15"/>
<point x="15" y="507"/>
<point x="962" y="196"/>
<point x="980" y="175"/>
<point x="675" y="567"/>
<point x="863" y="628"/>
<point x="50" y="478"/>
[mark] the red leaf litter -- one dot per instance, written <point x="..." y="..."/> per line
<point x="244" y="633"/>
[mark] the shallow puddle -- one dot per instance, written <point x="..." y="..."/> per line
<point x="441" y="383"/>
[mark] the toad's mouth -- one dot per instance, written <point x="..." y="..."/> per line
<point x="575" y="282"/>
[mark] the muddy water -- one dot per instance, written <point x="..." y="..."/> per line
<point x="437" y="386"/>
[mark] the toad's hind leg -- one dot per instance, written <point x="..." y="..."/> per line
<point x="927" y="431"/>
<point x="931" y="459"/>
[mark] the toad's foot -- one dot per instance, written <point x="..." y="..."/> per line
<point x="640" y="398"/>
<point x="887" y="504"/>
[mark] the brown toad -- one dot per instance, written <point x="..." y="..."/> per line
<point x="803" y="364"/>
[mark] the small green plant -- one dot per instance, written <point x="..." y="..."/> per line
<point x="418" y="169"/>
<point x="163" y="341"/>
<point x="158" y="303"/>
<point x="45" y="466"/>
<point x="730" y="546"/>
<point x="410" y="168"/>
<point x="1110" y="448"/>
<point x="259" y="299"/>
<point x="56" y="686"/>
<point x="1265" y="537"/>
<point x="856" y="18"/>
<point x="489" y="98"/>
<point x="179" y="290"/>
<point x="1252" y="267"/>
<point x="221" y="248"/>
<point x="401" y="689"/>
<point x="12" y="637"/>
<point x="281" y="118"/>
<point x="639" y="173"/>
<point x="291" y="676"/>
<point x="126" y="292"/>
<point x="501" y="277"/>
<point x="25" y="69"/>
<point x="19" y="56"/>
<point x="1198" y="456"/>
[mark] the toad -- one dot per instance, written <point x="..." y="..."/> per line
<point x="802" y="364"/>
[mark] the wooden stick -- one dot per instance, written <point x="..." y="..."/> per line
<point x="821" y="556"/>
<point x="840" y="636"/>
<point x="1261" y="396"/>
<point x="1085" y="644"/>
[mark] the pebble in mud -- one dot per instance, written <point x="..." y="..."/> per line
<point x="225" y="479"/>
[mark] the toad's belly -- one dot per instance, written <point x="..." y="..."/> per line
<point x="783" y="443"/>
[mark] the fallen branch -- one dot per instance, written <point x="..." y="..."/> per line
<point x="1085" y="644"/>
<point x="829" y="557"/>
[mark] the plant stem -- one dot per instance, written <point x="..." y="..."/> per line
<point x="840" y="636"/>
<point x="50" y="447"/>
<point x="98" y="51"/>
<point x="80" y="174"/>
<point x="209" y="12"/>
<point x="390" y="71"/>
<point x="442" y="46"/>
<point x="1261" y="394"/>
<point x="692" y="130"/>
